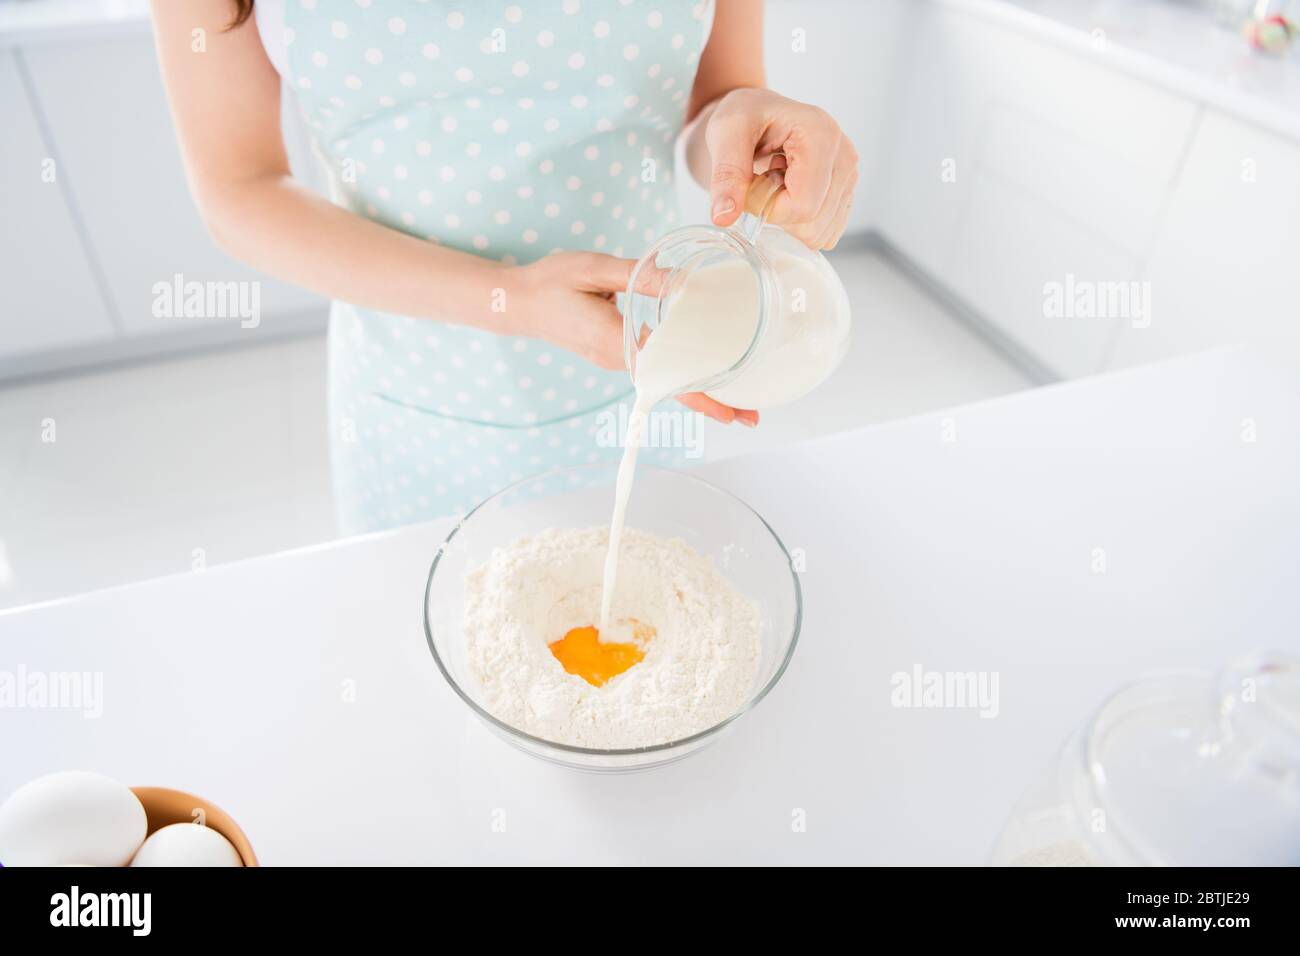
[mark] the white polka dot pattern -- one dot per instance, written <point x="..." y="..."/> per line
<point x="506" y="130"/>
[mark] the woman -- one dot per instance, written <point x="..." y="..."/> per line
<point x="464" y="142"/>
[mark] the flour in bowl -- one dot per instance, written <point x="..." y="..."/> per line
<point x="698" y="668"/>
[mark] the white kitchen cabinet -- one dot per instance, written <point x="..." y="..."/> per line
<point x="1224" y="267"/>
<point x="1012" y="246"/>
<point x="1016" y="163"/>
<point x="117" y="140"/>
<point x="48" y="297"/>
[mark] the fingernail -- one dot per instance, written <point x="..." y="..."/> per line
<point x="747" y="422"/>
<point x="723" y="206"/>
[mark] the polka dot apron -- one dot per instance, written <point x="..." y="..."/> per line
<point x="504" y="130"/>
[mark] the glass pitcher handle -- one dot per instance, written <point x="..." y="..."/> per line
<point x="759" y="199"/>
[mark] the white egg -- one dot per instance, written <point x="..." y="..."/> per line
<point x="73" y="817"/>
<point x="186" y="844"/>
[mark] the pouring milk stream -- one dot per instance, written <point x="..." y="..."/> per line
<point x="751" y="316"/>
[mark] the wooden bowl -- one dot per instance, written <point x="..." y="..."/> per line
<point x="163" y="807"/>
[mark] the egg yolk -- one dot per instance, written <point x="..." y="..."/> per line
<point x="583" y="653"/>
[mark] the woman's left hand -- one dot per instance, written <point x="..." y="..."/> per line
<point x="747" y="128"/>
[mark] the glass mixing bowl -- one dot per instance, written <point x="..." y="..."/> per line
<point x="672" y="504"/>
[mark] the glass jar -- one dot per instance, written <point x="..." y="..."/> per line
<point x="1185" y="770"/>
<point x="787" y="319"/>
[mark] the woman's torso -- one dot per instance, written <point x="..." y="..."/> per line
<point x="504" y="130"/>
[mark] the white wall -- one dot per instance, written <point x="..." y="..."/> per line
<point x="854" y="50"/>
<point x="841" y="55"/>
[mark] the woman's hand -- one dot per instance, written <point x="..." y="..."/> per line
<point x="567" y="299"/>
<point x="745" y="130"/>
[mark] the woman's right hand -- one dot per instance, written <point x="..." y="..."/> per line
<point x="567" y="299"/>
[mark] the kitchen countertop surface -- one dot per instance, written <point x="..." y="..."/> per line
<point x="964" y="540"/>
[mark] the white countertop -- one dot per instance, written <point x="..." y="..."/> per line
<point x="974" y="554"/>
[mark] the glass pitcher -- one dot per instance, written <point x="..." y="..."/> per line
<point x="795" y="310"/>
<point x="1185" y="770"/>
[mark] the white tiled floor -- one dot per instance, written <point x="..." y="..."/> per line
<point x="224" y="455"/>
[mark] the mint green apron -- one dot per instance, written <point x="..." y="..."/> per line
<point x="508" y="131"/>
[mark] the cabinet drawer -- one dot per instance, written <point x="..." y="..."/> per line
<point x="1224" y="267"/>
<point x="118" y="142"/>
<point x="48" y="296"/>
<point x="1080" y="179"/>
<point x="1011" y="248"/>
<point x="1059" y="165"/>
